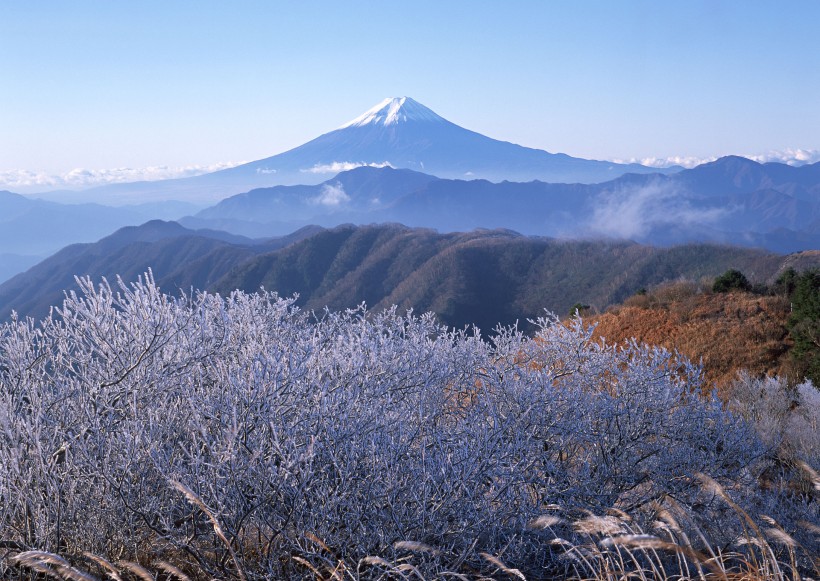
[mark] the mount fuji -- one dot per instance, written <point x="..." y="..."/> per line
<point x="398" y="133"/>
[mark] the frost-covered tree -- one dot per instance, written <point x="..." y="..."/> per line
<point x="785" y="416"/>
<point x="333" y="433"/>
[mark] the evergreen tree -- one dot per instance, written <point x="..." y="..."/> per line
<point x="731" y="280"/>
<point x="804" y="323"/>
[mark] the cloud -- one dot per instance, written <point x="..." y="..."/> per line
<point x="339" y="166"/>
<point x="331" y="196"/>
<point x="86" y="178"/>
<point x="634" y="212"/>
<point x="683" y="161"/>
<point x="790" y="156"/>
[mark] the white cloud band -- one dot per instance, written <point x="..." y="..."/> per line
<point x="85" y="178"/>
<point x="788" y="156"/>
<point x="340" y="166"/>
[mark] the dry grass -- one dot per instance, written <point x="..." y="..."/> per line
<point x="603" y="548"/>
<point x="726" y="332"/>
<point x="191" y="497"/>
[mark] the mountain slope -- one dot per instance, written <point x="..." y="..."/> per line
<point x="696" y="323"/>
<point x="180" y="258"/>
<point x="404" y="133"/>
<point x="399" y="132"/>
<point x="482" y="277"/>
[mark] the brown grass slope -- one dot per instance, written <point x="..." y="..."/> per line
<point x="727" y="332"/>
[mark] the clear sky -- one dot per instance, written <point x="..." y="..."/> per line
<point x="107" y="84"/>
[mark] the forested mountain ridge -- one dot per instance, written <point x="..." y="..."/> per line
<point x="482" y="277"/>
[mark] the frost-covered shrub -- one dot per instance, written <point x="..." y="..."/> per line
<point x="354" y="428"/>
<point x="786" y="416"/>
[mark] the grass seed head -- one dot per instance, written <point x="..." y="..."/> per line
<point x="780" y="536"/>
<point x="545" y="521"/>
<point x="601" y="525"/>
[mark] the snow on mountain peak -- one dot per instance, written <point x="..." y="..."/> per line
<point x="392" y="112"/>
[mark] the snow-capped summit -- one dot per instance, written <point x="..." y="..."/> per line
<point x="397" y="133"/>
<point x="393" y="111"/>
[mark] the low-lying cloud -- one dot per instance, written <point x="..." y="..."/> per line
<point x="340" y="166"/>
<point x="86" y="178"/>
<point x="635" y="212"/>
<point x="331" y="196"/>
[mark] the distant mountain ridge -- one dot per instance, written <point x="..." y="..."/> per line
<point x="732" y="200"/>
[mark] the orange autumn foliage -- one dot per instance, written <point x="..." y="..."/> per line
<point x="724" y="332"/>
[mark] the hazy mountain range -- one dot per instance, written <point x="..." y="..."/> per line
<point x="32" y="229"/>
<point x="732" y="200"/>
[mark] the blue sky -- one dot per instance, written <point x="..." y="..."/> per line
<point x="102" y="84"/>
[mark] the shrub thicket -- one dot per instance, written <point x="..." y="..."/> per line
<point x="134" y="426"/>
